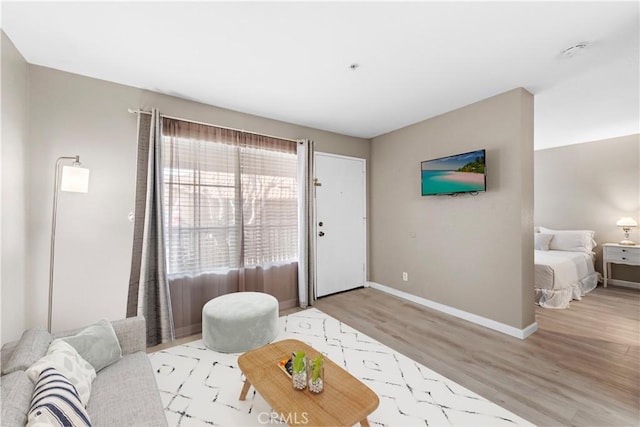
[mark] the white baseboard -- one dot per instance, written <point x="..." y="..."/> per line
<point x="624" y="283"/>
<point x="474" y="318"/>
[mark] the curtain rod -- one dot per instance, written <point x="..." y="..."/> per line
<point x="139" y="111"/>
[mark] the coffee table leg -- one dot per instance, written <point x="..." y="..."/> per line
<point x="364" y="423"/>
<point x="245" y="389"/>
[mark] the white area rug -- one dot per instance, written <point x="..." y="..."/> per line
<point x="200" y="387"/>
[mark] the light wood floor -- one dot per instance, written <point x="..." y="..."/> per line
<point x="581" y="368"/>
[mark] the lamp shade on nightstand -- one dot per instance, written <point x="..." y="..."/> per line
<point x="626" y="223"/>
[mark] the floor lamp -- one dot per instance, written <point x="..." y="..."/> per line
<point x="73" y="179"/>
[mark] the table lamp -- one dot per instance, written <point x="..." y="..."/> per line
<point x="626" y="223"/>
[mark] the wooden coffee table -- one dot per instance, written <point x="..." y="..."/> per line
<point x="345" y="400"/>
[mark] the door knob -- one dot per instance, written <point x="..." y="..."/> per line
<point x="321" y="233"/>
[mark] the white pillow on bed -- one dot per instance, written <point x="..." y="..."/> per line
<point x="541" y="241"/>
<point x="571" y="240"/>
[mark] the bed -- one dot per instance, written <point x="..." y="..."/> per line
<point x="564" y="266"/>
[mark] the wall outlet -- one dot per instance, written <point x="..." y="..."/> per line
<point x="405" y="276"/>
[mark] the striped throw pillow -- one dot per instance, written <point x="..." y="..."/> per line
<point x="65" y="359"/>
<point x="56" y="402"/>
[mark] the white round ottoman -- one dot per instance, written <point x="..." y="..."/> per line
<point x="235" y="323"/>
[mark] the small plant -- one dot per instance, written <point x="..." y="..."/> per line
<point x="299" y="375"/>
<point x="316" y="375"/>
<point x="298" y="361"/>
<point x="317" y="367"/>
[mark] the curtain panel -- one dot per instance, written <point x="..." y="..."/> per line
<point x="231" y="216"/>
<point x="149" y="294"/>
<point x="306" y="225"/>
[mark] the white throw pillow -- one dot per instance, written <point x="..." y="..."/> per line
<point x="64" y="358"/>
<point x="541" y="241"/>
<point x="571" y="240"/>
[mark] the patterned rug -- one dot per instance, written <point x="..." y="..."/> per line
<point x="200" y="387"/>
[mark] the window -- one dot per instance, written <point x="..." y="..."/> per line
<point x="230" y="199"/>
<point x="269" y="187"/>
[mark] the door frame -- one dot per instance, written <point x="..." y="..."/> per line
<point x="365" y="219"/>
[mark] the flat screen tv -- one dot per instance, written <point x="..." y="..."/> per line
<point x="460" y="173"/>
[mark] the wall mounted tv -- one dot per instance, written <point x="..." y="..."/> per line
<point x="460" y="173"/>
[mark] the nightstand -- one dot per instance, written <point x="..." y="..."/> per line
<point x="618" y="254"/>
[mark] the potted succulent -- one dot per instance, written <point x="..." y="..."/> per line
<point x="299" y="371"/>
<point x="315" y="375"/>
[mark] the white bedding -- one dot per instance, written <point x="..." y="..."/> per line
<point x="561" y="276"/>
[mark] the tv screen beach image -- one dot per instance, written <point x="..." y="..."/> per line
<point x="455" y="174"/>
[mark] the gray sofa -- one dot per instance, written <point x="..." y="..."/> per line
<point x="123" y="394"/>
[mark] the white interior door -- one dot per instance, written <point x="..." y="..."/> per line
<point x="340" y="223"/>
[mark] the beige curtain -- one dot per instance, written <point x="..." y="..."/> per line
<point x="230" y="217"/>
<point x="148" y="286"/>
<point x="306" y="224"/>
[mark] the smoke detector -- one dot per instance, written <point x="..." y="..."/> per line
<point x="575" y="49"/>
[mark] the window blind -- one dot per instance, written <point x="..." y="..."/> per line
<point x="230" y="199"/>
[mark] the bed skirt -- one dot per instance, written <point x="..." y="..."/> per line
<point x="560" y="298"/>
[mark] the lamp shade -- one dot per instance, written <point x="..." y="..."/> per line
<point x="626" y="222"/>
<point x="74" y="179"/>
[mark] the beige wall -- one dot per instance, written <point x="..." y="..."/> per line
<point x="473" y="253"/>
<point x="15" y="92"/>
<point x="591" y="186"/>
<point x="459" y="245"/>
<point x="70" y="115"/>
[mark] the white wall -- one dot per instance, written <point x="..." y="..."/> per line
<point x="472" y="253"/>
<point x="70" y="115"/>
<point x="15" y="92"/>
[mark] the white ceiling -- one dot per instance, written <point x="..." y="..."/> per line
<point x="290" y="61"/>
